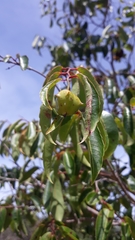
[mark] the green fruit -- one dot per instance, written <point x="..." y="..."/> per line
<point x="67" y="103"/>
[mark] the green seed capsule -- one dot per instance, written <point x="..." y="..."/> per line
<point x="67" y="103"/>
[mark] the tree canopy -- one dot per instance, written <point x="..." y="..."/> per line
<point x="81" y="189"/>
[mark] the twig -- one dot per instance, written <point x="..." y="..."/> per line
<point x="9" y="179"/>
<point x="125" y="190"/>
<point x="15" y="63"/>
<point x="114" y="72"/>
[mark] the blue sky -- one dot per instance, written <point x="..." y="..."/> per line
<point x="20" y="21"/>
<point x="19" y="90"/>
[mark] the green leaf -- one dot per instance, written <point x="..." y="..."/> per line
<point x="55" y="124"/>
<point x="15" y="140"/>
<point x="88" y="108"/>
<point x="128" y="121"/>
<point x="77" y="147"/>
<point x="123" y="137"/>
<point x="57" y="206"/>
<point x="24" y="61"/>
<point x="37" y="202"/>
<point x="3" y="213"/>
<point x="131" y="183"/>
<point x="92" y="198"/>
<point x="123" y="35"/>
<point x="131" y="225"/>
<point x="22" y="226"/>
<point x="44" y="121"/>
<point x="53" y="74"/>
<point x="44" y="93"/>
<point x="68" y="232"/>
<point x="66" y="126"/>
<point x="47" y="154"/>
<point x="96" y="149"/>
<point x="83" y="194"/>
<point x="103" y="133"/>
<point x="112" y="132"/>
<point x="34" y="145"/>
<point x="12" y="127"/>
<point x="75" y="87"/>
<point x="125" y="232"/>
<point x="132" y="102"/>
<point x="68" y="163"/>
<point x="39" y="231"/>
<point x="44" y="118"/>
<point x="25" y="175"/>
<point x="47" y="194"/>
<point x="8" y="218"/>
<point x="104" y="223"/>
<point x="97" y="98"/>
<point x="47" y="236"/>
<point x="31" y="131"/>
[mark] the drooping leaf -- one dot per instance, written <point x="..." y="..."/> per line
<point x="123" y="136"/>
<point x="66" y="126"/>
<point x="47" y="194"/>
<point x="123" y="35"/>
<point x="57" y="206"/>
<point x="12" y="127"/>
<point x="47" y="157"/>
<point x="77" y="147"/>
<point x="15" y="140"/>
<point x="128" y="121"/>
<point x="48" y="154"/>
<point x="22" y="226"/>
<point x="44" y="118"/>
<point x="3" y="213"/>
<point x="24" y="61"/>
<point x="96" y="148"/>
<point x="112" y="132"/>
<point x="36" y="200"/>
<point x="39" y="231"/>
<point x="44" y="121"/>
<point x="68" y="163"/>
<point x="125" y="232"/>
<point x="131" y="225"/>
<point x="47" y="236"/>
<point x="25" y="175"/>
<point x="53" y="74"/>
<point x="103" y="134"/>
<point x="34" y="145"/>
<point x="104" y="223"/>
<point x="92" y="198"/>
<point x="44" y="93"/>
<point x="31" y="131"/>
<point x="97" y="98"/>
<point x="75" y="87"/>
<point x="132" y="102"/>
<point x="55" y="124"/>
<point x="88" y="107"/>
<point x="68" y="232"/>
<point x="8" y="218"/>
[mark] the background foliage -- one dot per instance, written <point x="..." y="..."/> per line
<point x="81" y="202"/>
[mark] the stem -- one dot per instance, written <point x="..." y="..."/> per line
<point x="15" y="63"/>
<point x="121" y="184"/>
